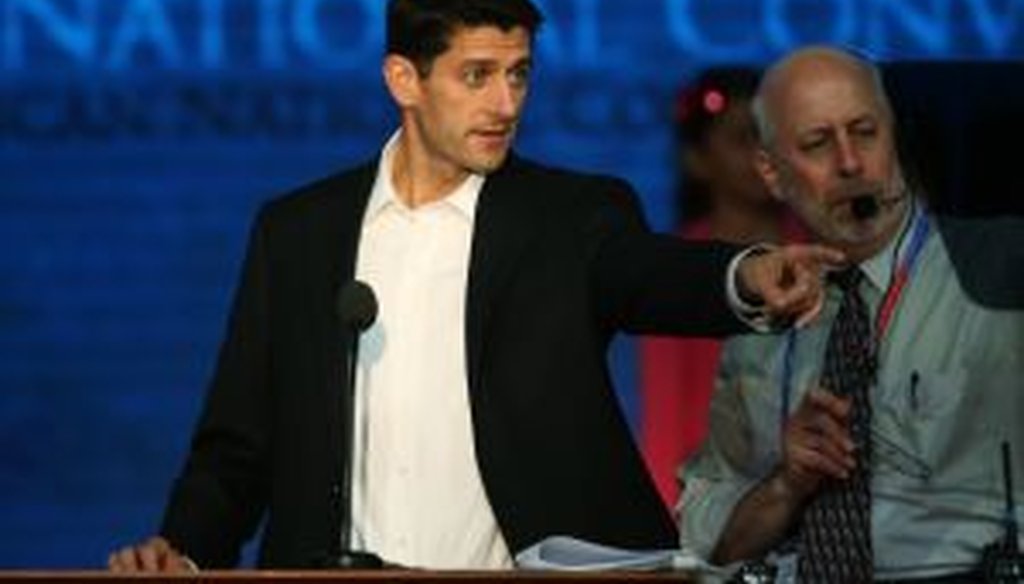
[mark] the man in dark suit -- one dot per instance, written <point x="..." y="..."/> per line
<point x="485" y="416"/>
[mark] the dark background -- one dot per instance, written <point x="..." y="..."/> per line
<point x="137" y="137"/>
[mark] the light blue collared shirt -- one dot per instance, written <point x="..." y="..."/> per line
<point x="949" y="392"/>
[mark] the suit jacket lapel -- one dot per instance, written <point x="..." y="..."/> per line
<point x="340" y="229"/>
<point x="343" y="225"/>
<point x="506" y="220"/>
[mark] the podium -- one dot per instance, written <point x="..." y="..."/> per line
<point x="327" y="577"/>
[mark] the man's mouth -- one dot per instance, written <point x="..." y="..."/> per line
<point x="494" y="133"/>
<point x="493" y="137"/>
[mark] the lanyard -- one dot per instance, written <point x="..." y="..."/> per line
<point x="901" y="273"/>
<point x="909" y="252"/>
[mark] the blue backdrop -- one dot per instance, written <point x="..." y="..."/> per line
<point x="137" y="138"/>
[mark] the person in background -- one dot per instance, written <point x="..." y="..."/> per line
<point x="720" y="197"/>
<point x="868" y="445"/>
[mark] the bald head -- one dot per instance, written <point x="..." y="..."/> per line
<point x="787" y="83"/>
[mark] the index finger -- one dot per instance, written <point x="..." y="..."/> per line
<point x="816" y="255"/>
<point x="151" y="557"/>
<point x="123" y="560"/>
<point x="831" y="403"/>
<point x="799" y="297"/>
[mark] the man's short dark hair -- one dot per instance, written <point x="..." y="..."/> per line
<point x="421" y="30"/>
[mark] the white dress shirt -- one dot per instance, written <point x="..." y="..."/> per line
<point x="418" y="498"/>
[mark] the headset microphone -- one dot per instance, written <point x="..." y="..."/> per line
<point x="864" y="207"/>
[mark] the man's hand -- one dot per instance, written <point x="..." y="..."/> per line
<point x="817" y="443"/>
<point x="816" y="446"/>
<point x="152" y="555"/>
<point x="787" y="280"/>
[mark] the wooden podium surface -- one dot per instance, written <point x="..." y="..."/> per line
<point x="326" y="577"/>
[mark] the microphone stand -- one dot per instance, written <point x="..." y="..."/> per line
<point x="1002" y="560"/>
<point x="357" y="308"/>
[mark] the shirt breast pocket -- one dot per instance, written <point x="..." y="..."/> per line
<point x="935" y="395"/>
<point x="952" y="425"/>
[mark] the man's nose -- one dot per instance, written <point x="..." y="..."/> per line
<point x="505" y="99"/>
<point x="849" y="158"/>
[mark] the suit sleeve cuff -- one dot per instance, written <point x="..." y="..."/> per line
<point x="753" y="315"/>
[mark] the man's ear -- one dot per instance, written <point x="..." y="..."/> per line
<point x="402" y="80"/>
<point x="765" y="164"/>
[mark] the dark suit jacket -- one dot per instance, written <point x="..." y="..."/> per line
<point x="559" y="262"/>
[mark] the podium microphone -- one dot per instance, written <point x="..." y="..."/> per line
<point x="1002" y="561"/>
<point x="357" y="309"/>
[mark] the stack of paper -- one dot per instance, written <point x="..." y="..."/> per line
<point x="567" y="553"/>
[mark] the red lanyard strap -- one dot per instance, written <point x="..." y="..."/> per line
<point x="911" y="253"/>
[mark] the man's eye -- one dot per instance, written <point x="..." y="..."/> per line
<point x="866" y="131"/>
<point x="813" y="144"/>
<point x="519" y="77"/>
<point x="474" y="77"/>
